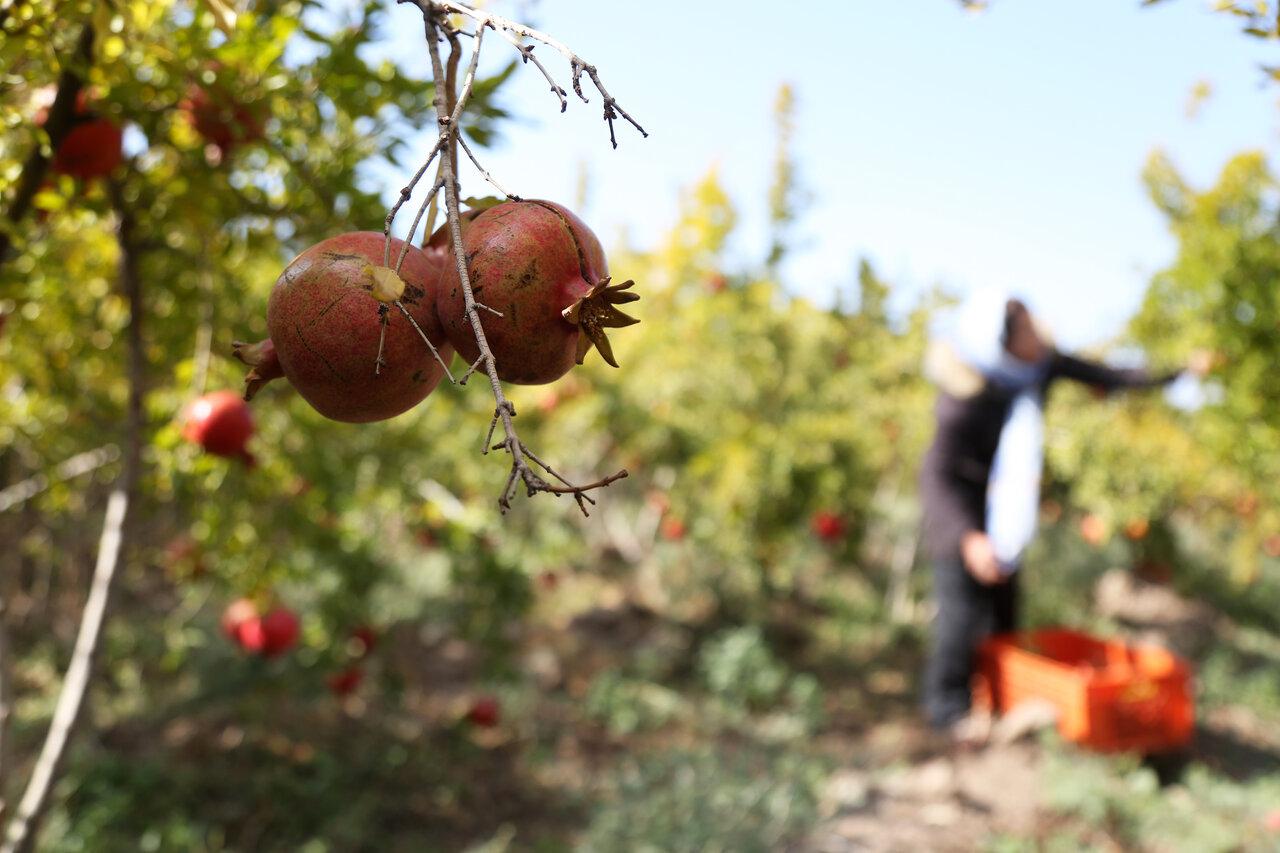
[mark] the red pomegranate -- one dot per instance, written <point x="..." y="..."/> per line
<point x="91" y="149"/>
<point x="218" y="116"/>
<point x="828" y="526"/>
<point x="673" y="529"/>
<point x="345" y="682"/>
<point x="221" y="423"/>
<point x="271" y="634"/>
<point x="325" y="325"/>
<point x="544" y="270"/>
<point x="238" y="613"/>
<point x="484" y="712"/>
<point x="92" y="146"/>
<point x="267" y="635"/>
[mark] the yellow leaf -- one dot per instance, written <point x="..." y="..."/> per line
<point x="387" y="286"/>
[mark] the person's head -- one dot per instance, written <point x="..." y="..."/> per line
<point x="1021" y="338"/>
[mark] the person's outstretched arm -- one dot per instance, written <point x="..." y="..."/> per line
<point x="1109" y="378"/>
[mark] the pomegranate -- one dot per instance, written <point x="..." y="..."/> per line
<point x="271" y="634"/>
<point x="237" y="614"/>
<point x="827" y="526"/>
<point x="267" y="635"/>
<point x="326" y="324"/>
<point x="673" y="529"/>
<point x="219" y="117"/>
<point x="484" y="712"/>
<point x="543" y="269"/>
<point x="1093" y="529"/>
<point x="221" y="423"/>
<point x="345" y="682"/>
<point x="1136" y="529"/>
<point x="91" y="147"/>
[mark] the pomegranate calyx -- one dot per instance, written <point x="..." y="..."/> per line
<point x="598" y="311"/>
<point x="261" y="357"/>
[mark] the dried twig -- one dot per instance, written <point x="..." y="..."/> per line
<point x="449" y="137"/>
<point x="483" y="171"/>
<point x="577" y="65"/>
<point x="80" y="464"/>
<point x="413" y="229"/>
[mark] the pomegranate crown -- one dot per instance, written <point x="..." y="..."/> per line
<point x="597" y="311"/>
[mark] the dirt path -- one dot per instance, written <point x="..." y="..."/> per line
<point x="937" y="804"/>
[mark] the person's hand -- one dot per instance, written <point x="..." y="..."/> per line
<point x="1201" y="362"/>
<point x="980" y="558"/>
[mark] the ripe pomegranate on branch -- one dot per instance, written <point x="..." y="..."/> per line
<point x="364" y="325"/>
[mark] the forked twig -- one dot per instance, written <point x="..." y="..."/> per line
<point x="577" y="65"/>
<point x="435" y="17"/>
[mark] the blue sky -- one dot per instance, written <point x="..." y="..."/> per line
<point x="996" y="149"/>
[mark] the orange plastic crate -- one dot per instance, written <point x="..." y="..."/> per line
<point x="1110" y="696"/>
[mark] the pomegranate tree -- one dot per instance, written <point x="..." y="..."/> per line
<point x="544" y="270"/>
<point x="336" y="339"/>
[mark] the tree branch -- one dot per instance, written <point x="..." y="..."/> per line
<point x="6" y="707"/>
<point x="24" y="828"/>
<point x="577" y="65"/>
<point x="76" y="466"/>
<point x="522" y="472"/>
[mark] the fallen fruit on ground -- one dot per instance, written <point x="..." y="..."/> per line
<point x="326" y="324"/>
<point x="544" y="271"/>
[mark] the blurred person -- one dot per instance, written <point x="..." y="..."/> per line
<point x="980" y="480"/>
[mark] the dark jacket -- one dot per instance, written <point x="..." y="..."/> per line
<point x="953" y="477"/>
